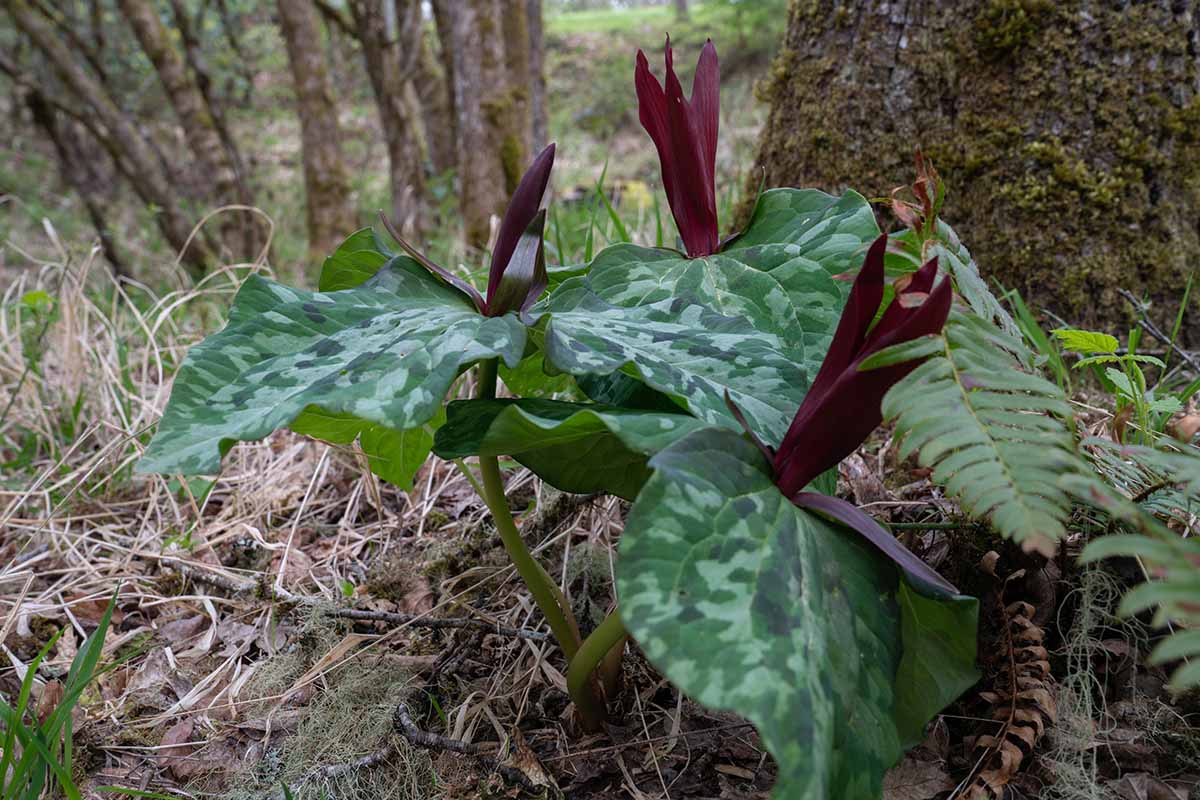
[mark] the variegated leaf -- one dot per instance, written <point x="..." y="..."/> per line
<point x="575" y="447"/>
<point x="755" y="321"/>
<point x="750" y="604"/>
<point x="385" y="352"/>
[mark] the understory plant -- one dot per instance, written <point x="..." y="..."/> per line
<point x="716" y="386"/>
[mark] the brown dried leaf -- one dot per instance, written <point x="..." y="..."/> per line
<point x="916" y="780"/>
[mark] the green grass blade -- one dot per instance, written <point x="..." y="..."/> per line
<point x="658" y="228"/>
<point x="622" y="231"/>
<point x="1187" y="292"/>
<point x="18" y="713"/>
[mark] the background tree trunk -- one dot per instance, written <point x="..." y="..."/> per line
<point x="78" y="171"/>
<point x="514" y="16"/>
<point x="133" y="154"/>
<point x="1067" y="133"/>
<point x="329" y="206"/>
<point x="681" y="10"/>
<point x="435" y="90"/>
<point x="252" y="236"/>
<point x="490" y="153"/>
<point x="391" y="57"/>
<point x="195" y="115"/>
<point x="537" y="75"/>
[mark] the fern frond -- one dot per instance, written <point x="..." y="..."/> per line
<point x="1174" y="563"/>
<point x="1162" y="481"/>
<point x="994" y="433"/>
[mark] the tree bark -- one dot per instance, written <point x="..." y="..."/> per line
<point x="330" y="209"/>
<point x="391" y="58"/>
<point x="194" y="56"/>
<point x="132" y="153"/>
<point x="432" y="85"/>
<point x="245" y="65"/>
<point x="514" y="16"/>
<point x="76" y="172"/>
<point x="488" y="146"/>
<point x="537" y="75"/>
<point x="194" y="111"/>
<point x="681" y="10"/>
<point x="1066" y="132"/>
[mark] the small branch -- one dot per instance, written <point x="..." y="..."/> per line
<point x="333" y="771"/>
<point x="250" y="588"/>
<point x="1152" y="329"/>
<point x="413" y="619"/>
<point x="402" y="721"/>
<point x="335" y="18"/>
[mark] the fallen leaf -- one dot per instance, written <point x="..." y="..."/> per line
<point x="916" y="780"/>
<point x="735" y="771"/>
<point x="1143" y="786"/>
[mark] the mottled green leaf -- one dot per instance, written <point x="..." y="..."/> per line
<point x="755" y="320"/>
<point x="385" y="352"/>
<point x="393" y="455"/>
<point x="354" y="261"/>
<point x="751" y="604"/>
<point x="827" y="230"/>
<point x="687" y="351"/>
<point x="575" y="447"/>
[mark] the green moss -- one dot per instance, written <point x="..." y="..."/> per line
<point x="1070" y="143"/>
<point x="1005" y="25"/>
<point x="511" y="161"/>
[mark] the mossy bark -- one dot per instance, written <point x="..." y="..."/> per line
<point x="1068" y="133"/>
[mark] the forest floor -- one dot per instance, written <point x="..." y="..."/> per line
<point x="233" y="666"/>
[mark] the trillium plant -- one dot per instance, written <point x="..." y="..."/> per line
<point x="716" y="387"/>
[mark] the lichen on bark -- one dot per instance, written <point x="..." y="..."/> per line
<point x="1067" y="133"/>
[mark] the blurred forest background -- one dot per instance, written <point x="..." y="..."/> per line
<point x="133" y="120"/>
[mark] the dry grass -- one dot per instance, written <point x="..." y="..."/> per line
<point x="225" y="677"/>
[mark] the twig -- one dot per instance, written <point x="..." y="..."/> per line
<point x="332" y="771"/>
<point x="413" y="619"/>
<point x="403" y="722"/>
<point x="635" y="742"/>
<point x="284" y="596"/>
<point x="1152" y="329"/>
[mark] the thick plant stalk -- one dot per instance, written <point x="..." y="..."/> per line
<point x="545" y="593"/>
<point x="581" y="683"/>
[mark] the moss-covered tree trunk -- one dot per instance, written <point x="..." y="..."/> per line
<point x="1067" y="132"/>
<point x="491" y="116"/>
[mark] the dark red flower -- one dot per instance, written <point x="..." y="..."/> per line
<point x="685" y="133"/>
<point x="843" y="405"/>
<point x="518" y="269"/>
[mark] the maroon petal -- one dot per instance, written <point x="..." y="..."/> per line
<point x="525" y="276"/>
<point x="848" y="340"/>
<point x="441" y="272"/>
<point x="920" y="575"/>
<point x="522" y="209"/>
<point x="834" y="421"/>
<point x="706" y="104"/>
<point x="684" y="137"/>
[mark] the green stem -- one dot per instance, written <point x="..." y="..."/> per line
<point x="546" y="594"/>
<point x="592" y="652"/>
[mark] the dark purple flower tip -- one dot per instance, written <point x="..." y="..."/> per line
<point x="843" y="405"/>
<point x="518" y="271"/>
<point x="685" y="134"/>
<point x="441" y="272"/>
